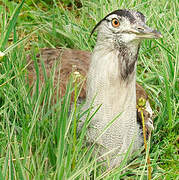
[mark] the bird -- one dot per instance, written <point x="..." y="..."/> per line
<point x="110" y="72"/>
<point x="112" y="81"/>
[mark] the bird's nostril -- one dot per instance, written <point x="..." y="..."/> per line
<point x="140" y="29"/>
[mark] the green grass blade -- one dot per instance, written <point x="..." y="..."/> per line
<point x="11" y="25"/>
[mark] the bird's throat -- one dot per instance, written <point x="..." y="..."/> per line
<point x="127" y="59"/>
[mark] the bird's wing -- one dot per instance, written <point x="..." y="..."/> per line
<point x="147" y="111"/>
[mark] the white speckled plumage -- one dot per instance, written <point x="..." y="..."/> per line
<point x="117" y="97"/>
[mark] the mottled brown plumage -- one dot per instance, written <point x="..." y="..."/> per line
<point x="66" y="60"/>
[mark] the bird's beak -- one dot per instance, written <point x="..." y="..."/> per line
<point x="142" y="31"/>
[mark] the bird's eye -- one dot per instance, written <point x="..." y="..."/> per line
<point x="115" y="22"/>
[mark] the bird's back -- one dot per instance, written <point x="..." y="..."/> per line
<point x="65" y="61"/>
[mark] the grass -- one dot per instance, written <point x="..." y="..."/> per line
<point x="37" y="139"/>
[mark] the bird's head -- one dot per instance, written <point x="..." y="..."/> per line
<point x="124" y="27"/>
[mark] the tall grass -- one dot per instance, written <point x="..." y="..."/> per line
<point x="37" y="138"/>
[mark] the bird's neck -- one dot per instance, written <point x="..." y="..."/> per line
<point x="112" y="77"/>
<point x="115" y="60"/>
